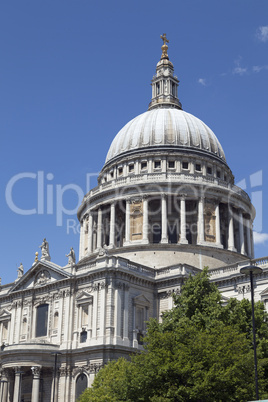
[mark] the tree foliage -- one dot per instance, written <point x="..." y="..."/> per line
<point x="201" y="351"/>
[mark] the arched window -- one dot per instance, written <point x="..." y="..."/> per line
<point x="41" y="320"/>
<point x="81" y="385"/>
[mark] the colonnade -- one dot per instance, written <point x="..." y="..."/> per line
<point x="5" y="384"/>
<point x="92" y="223"/>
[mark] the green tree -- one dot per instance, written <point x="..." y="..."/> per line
<point x="201" y="351"/>
<point x="111" y="384"/>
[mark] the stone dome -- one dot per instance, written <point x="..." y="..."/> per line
<point x="165" y="128"/>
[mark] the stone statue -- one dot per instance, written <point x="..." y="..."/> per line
<point x="20" y="271"/>
<point x="45" y="250"/>
<point x="71" y="257"/>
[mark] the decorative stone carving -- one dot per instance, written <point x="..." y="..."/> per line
<point x="36" y="370"/>
<point x="20" y="271"/>
<point x="71" y="257"/>
<point x="45" y="251"/>
<point x="42" y="278"/>
<point x="243" y="289"/>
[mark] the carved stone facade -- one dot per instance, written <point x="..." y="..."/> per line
<point x="165" y="207"/>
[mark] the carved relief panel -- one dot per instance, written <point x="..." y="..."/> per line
<point x="210" y="222"/>
<point x="136" y="220"/>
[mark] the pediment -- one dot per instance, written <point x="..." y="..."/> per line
<point x="264" y="292"/>
<point x="4" y="315"/>
<point x="141" y="300"/>
<point x="42" y="273"/>
<point x="83" y="296"/>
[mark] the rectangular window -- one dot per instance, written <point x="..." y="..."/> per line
<point x="209" y="170"/>
<point x="157" y="164"/>
<point x="185" y="165"/>
<point x="218" y="174"/>
<point x="131" y="168"/>
<point x="171" y="164"/>
<point x="4" y="330"/>
<point x="198" y="167"/>
<point x="41" y="320"/>
<point x="84" y="315"/>
<point x="120" y="171"/>
<point x="143" y="165"/>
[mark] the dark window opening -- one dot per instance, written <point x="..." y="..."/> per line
<point x="157" y="164"/>
<point x="41" y="320"/>
<point x="140" y="338"/>
<point x="185" y="165"/>
<point x="171" y="164"/>
<point x="83" y="336"/>
<point x="81" y="385"/>
<point x="143" y="165"/>
<point x="131" y="168"/>
<point x="156" y="233"/>
<point x="198" y="167"/>
<point x="120" y="171"/>
<point x="209" y="170"/>
<point x="173" y="233"/>
<point x="218" y="174"/>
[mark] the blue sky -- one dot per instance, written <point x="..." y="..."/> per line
<point x="72" y="73"/>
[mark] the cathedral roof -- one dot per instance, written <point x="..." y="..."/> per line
<point x="165" y="128"/>
<point x="165" y="125"/>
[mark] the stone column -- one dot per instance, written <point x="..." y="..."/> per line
<point x="67" y="386"/>
<point x="95" y="311"/>
<point x="251" y="240"/>
<point x="81" y="244"/>
<point x="17" y="384"/>
<point x="248" y="226"/>
<point x="241" y="233"/>
<point x="36" y="382"/>
<point x="55" y="388"/>
<point x="218" y="225"/>
<point x="127" y="224"/>
<point x="125" y="331"/>
<point x="99" y="229"/>
<point x="4" y="386"/>
<point x="90" y="232"/>
<point x="201" y="221"/>
<point x="231" y="245"/>
<point x="164" y="238"/>
<point x="102" y="306"/>
<point x="183" y="239"/>
<point x="117" y="311"/>
<point x="62" y="386"/>
<point x="145" y="221"/>
<point x="112" y="226"/>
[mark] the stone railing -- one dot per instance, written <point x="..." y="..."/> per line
<point x="165" y="177"/>
<point x="234" y="269"/>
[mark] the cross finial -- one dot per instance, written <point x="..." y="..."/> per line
<point x="164" y="39"/>
<point x="164" y="46"/>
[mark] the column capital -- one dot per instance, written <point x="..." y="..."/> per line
<point x="36" y="370"/>
<point x="163" y="195"/>
<point x="17" y="370"/>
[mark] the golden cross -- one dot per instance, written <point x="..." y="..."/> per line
<point x="164" y="39"/>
